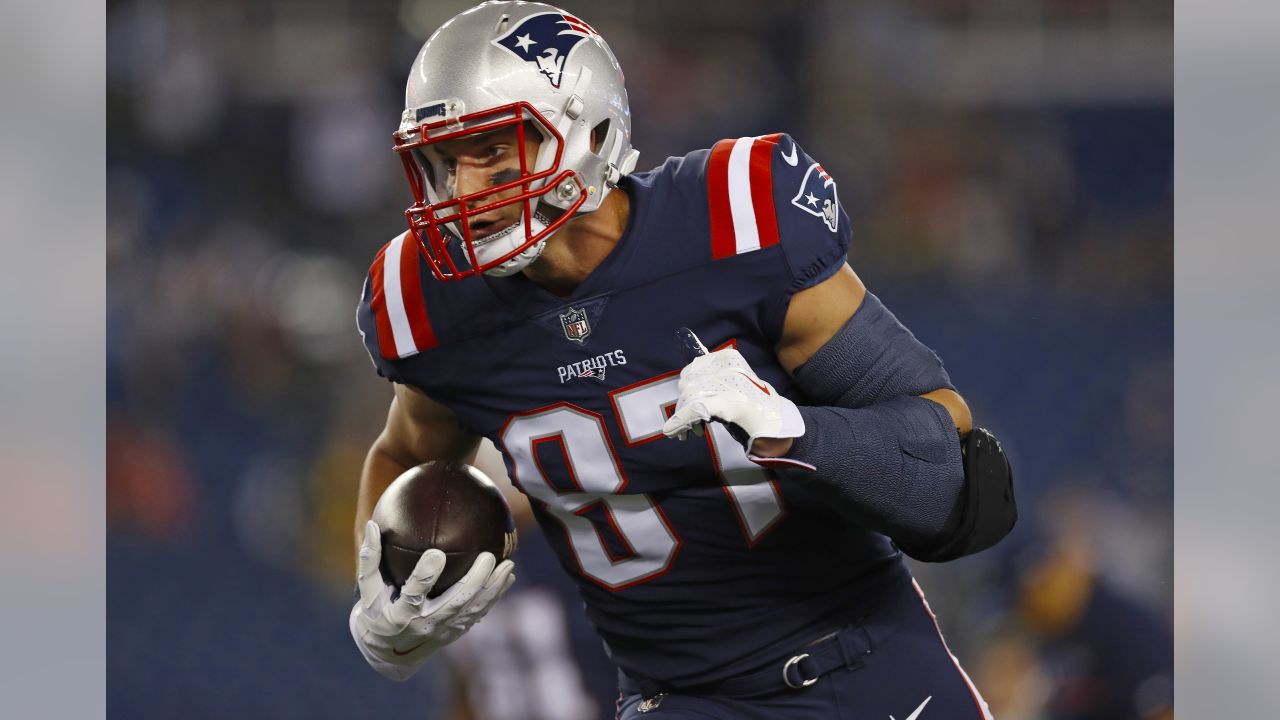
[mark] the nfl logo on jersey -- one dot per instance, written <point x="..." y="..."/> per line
<point x="575" y="324"/>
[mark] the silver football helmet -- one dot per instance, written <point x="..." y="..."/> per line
<point x="503" y="65"/>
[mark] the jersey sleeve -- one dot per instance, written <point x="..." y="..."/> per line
<point x="814" y="228"/>
<point x="392" y="316"/>
<point x="367" y="324"/>
<point x="765" y="191"/>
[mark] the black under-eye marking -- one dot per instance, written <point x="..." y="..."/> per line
<point x="502" y="177"/>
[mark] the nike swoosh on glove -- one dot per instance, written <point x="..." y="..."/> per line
<point x="397" y="636"/>
<point x="722" y="386"/>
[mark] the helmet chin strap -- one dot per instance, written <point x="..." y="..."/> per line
<point x="494" y="247"/>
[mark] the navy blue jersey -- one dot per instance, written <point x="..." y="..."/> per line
<point x="694" y="563"/>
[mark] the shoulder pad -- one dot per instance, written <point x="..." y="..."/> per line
<point x="740" y="195"/>
<point x="765" y="191"/>
<point x="393" y="304"/>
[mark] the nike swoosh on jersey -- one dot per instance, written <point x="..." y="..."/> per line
<point x="793" y="158"/>
<point x="916" y="713"/>
<point x="762" y="388"/>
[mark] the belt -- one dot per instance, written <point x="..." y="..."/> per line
<point x="845" y="648"/>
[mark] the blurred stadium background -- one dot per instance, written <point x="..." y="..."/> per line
<point x="1008" y="167"/>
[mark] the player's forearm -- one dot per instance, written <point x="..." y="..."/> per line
<point x="955" y="406"/>
<point x="901" y="468"/>
<point x="895" y="467"/>
<point x="381" y="466"/>
<point x="886" y="437"/>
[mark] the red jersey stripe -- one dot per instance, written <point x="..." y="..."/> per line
<point x="378" y="300"/>
<point x="762" y="190"/>
<point x="415" y="308"/>
<point x="722" y="236"/>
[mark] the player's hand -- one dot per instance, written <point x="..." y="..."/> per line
<point x="396" y="637"/>
<point x="721" y="386"/>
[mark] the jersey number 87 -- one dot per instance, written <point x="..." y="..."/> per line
<point x="594" y="469"/>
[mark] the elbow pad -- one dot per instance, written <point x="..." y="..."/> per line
<point x="986" y="510"/>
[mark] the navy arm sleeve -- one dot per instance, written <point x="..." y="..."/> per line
<point x="889" y="457"/>
<point x="892" y="458"/>
<point x="895" y="466"/>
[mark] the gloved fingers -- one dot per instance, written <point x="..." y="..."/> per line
<point x="413" y="594"/>
<point x="464" y="590"/>
<point x="684" y="418"/>
<point x="376" y="621"/>
<point x="498" y="582"/>
<point x="424" y="575"/>
<point x="368" y="577"/>
<point x="504" y="570"/>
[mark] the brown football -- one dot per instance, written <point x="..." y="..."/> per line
<point x="450" y="506"/>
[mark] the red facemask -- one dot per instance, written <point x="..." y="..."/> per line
<point x="442" y="226"/>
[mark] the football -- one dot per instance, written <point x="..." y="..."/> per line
<point x="450" y="506"/>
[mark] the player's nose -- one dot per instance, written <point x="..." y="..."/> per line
<point x="468" y="180"/>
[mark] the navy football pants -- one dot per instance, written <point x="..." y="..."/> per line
<point x="906" y="673"/>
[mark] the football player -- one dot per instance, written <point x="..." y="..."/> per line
<point x="728" y="440"/>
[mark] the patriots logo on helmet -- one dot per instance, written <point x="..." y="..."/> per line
<point x="546" y="39"/>
<point x="817" y="196"/>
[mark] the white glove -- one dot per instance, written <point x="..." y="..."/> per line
<point x="722" y="386"/>
<point x="396" y="637"/>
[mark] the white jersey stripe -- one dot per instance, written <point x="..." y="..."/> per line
<point x="745" y="233"/>
<point x="395" y="298"/>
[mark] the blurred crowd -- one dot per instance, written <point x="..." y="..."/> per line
<point x="1008" y="171"/>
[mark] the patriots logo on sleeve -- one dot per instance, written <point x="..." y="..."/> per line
<point x="546" y="39"/>
<point x="817" y="196"/>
